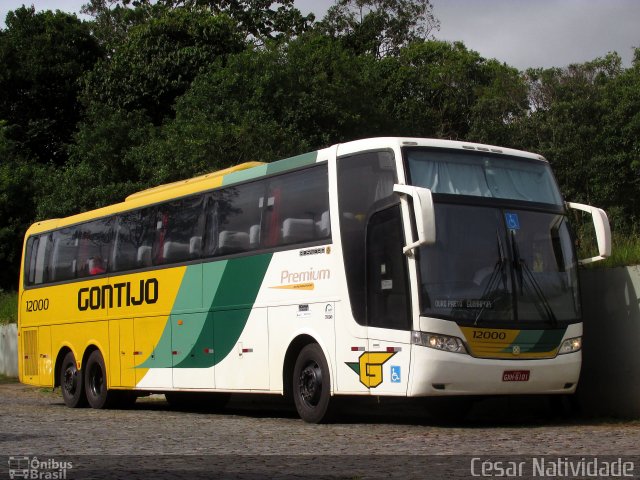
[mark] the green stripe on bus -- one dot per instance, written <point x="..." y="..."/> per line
<point x="244" y="175"/>
<point x="271" y="168"/>
<point x="537" y="341"/>
<point x="230" y="290"/>
<point x="292" y="162"/>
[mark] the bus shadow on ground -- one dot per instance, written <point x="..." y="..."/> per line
<point x="446" y="412"/>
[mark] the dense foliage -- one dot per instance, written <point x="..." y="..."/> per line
<point x="154" y="91"/>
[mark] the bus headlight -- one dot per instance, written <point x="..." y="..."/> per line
<point x="570" y="345"/>
<point x="438" y="341"/>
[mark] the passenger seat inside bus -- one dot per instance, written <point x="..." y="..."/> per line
<point x="230" y="241"/>
<point x="144" y="256"/>
<point x="298" y="229"/>
<point x="175" y="251"/>
<point x="305" y="229"/>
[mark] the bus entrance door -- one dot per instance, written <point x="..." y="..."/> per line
<point x="388" y="304"/>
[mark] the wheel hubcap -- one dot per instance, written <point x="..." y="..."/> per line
<point x="311" y="384"/>
<point x="70" y="382"/>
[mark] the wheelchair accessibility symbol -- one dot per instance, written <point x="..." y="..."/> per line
<point x="513" y="222"/>
<point x="395" y="374"/>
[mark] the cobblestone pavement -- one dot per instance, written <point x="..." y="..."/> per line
<point x="34" y="421"/>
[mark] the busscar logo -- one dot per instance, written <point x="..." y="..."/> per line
<point x="312" y="251"/>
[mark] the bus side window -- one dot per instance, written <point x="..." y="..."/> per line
<point x="211" y="231"/>
<point x="30" y="260"/>
<point x="179" y="230"/>
<point x="63" y="258"/>
<point x="37" y="259"/>
<point x="239" y="214"/>
<point x="298" y="208"/>
<point x="43" y="259"/>
<point x="94" y="246"/>
<point x="134" y="239"/>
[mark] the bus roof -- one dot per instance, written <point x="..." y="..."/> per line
<point x="381" y="142"/>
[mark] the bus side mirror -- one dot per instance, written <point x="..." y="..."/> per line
<point x="603" y="231"/>
<point x="424" y="213"/>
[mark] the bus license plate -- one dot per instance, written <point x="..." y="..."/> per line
<point x="515" y="376"/>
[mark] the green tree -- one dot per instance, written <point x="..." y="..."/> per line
<point x="440" y="89"/>
<point x="258" y="20"/>
<point x="42" y="57"/>
<point x="379" y="27"/>
<point x="617" y="162"/>
<point x="112" y="19"/>
<point x="266" y="104"/>
<point x="158" y="60"/>
<point x="100" y="170"/>
<point x="17" y="206"/>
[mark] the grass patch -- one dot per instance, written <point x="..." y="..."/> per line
<point x="625" y="251"/>
<point x="4" y="379"/>
<point x="8" y="307"/>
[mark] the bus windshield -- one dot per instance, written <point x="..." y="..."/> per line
<point x="483" y="175"/>
<point x="496" y="262"/>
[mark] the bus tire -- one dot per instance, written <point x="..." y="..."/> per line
<point x="72" y="383"/>
<point x="311" y="385"/>
<point x="95" y="382"/>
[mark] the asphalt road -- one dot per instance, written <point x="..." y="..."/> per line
<point x="258" y="437"/>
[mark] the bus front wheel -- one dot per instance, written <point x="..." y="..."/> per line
<point x="71" y="383"/>
<point x="95" y="381"/>
<point x="312" y="385"/>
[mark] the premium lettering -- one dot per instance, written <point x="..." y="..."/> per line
<point x="307" y="276"/>
<point x="118" y="295"/>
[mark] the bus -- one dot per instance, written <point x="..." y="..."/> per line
<point x="384" y="267"/>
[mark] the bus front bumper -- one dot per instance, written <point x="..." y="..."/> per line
<point x="435" y="372"/>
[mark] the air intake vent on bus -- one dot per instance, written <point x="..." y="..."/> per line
<point x="30" y="352"/>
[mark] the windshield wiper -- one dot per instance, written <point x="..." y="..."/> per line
<point x="524" y="272"/>
<point x="497" y="274"/>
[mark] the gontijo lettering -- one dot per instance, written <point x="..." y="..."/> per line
<point x="118" y="295"/>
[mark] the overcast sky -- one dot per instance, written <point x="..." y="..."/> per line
<point x="521" y="33"/>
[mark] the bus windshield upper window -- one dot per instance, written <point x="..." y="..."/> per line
<point x="483" y="175"/>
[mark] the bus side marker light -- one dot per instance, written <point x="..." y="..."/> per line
<point x="394" y="349"/>
<point x="357" y="349"/>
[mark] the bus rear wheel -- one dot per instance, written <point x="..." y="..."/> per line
<point x="71" y="383"/>
<point x="95" y="381"/>
<point x="312" y="385"/>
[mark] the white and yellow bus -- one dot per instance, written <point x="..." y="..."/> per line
<point x="386" y="266"/>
